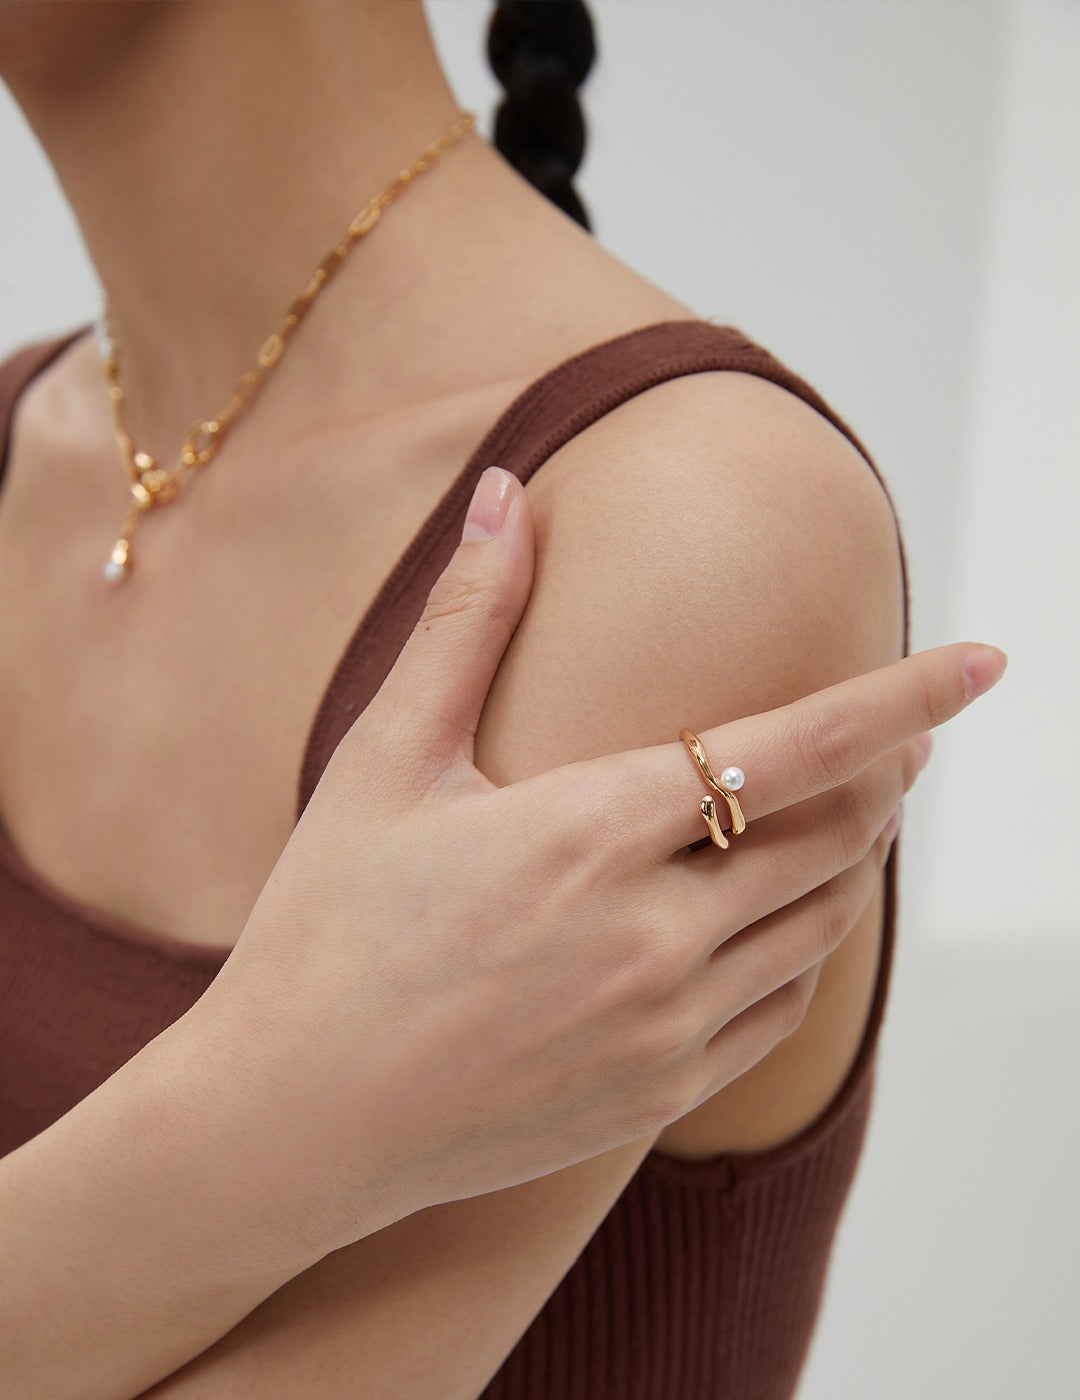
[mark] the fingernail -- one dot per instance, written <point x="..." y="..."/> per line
<point x="983" y="667"/>
<point x="924" y="743"/>
<point x="488" y="507"/>
<point x="892" y="826"/>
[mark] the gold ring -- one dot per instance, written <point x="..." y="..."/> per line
<point x="730" y="779"/>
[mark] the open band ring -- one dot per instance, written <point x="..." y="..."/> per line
<point x="729" y="780"/>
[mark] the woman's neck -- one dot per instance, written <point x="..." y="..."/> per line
<point x="213" y="152"/>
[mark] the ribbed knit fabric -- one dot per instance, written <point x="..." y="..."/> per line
<point x="704" y="1281"/>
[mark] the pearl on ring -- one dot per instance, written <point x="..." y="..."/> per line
<point x="733" y="778"/>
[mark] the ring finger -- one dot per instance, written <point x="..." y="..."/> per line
<point x="756" y="989"/>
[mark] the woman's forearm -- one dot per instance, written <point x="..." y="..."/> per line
<point x="142" y="1225"/>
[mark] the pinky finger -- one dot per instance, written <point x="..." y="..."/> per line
<point x="781" y="956"/>
<point x="768" y="954"/>
<point x="755" y="1032"/>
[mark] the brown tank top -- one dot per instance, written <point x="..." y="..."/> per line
<point x="704" y="1280"/>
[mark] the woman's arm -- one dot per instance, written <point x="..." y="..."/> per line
<point x="139" y="1217"/>
<point x="712" y="548"/>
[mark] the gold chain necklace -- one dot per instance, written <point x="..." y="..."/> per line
<point x="152" y="485"/>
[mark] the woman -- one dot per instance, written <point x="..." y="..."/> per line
<point x="211" y="152"/>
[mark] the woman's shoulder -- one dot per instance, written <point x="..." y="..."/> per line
<point x="731" y="504"/>
<point x="753" y="420"/>
<point x="712" y="547"/>
<point x="717" y="511"/>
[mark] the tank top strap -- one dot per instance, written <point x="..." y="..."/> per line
<point x="546" y="415"/>
<point x="16" y="371"/>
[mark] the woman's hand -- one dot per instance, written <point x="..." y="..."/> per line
<point x="446" y="988"/>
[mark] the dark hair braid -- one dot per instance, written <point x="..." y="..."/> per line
<point x="541" y="51"/>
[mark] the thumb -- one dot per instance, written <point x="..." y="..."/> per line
<point x="434" y="695"/>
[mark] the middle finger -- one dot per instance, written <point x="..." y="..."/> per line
<point x="714" y="895"/>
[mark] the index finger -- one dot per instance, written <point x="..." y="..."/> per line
<point x="818" y="742"/>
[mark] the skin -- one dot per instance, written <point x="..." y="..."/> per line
<point x="369" y="417"/>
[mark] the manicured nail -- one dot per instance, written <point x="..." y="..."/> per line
<point x="924" y="743"/>
<point x="983" y="667"/>
<point x="488" y="507"/>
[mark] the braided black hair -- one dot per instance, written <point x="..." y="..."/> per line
<point x="541" y="51"/>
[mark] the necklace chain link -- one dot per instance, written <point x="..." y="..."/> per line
<point x="152" y="485"/>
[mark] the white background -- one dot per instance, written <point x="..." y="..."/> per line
<point x="886" y="193"/>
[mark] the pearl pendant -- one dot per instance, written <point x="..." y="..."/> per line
<point x="732" y="778"/>
<point x="116" y="566"/>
